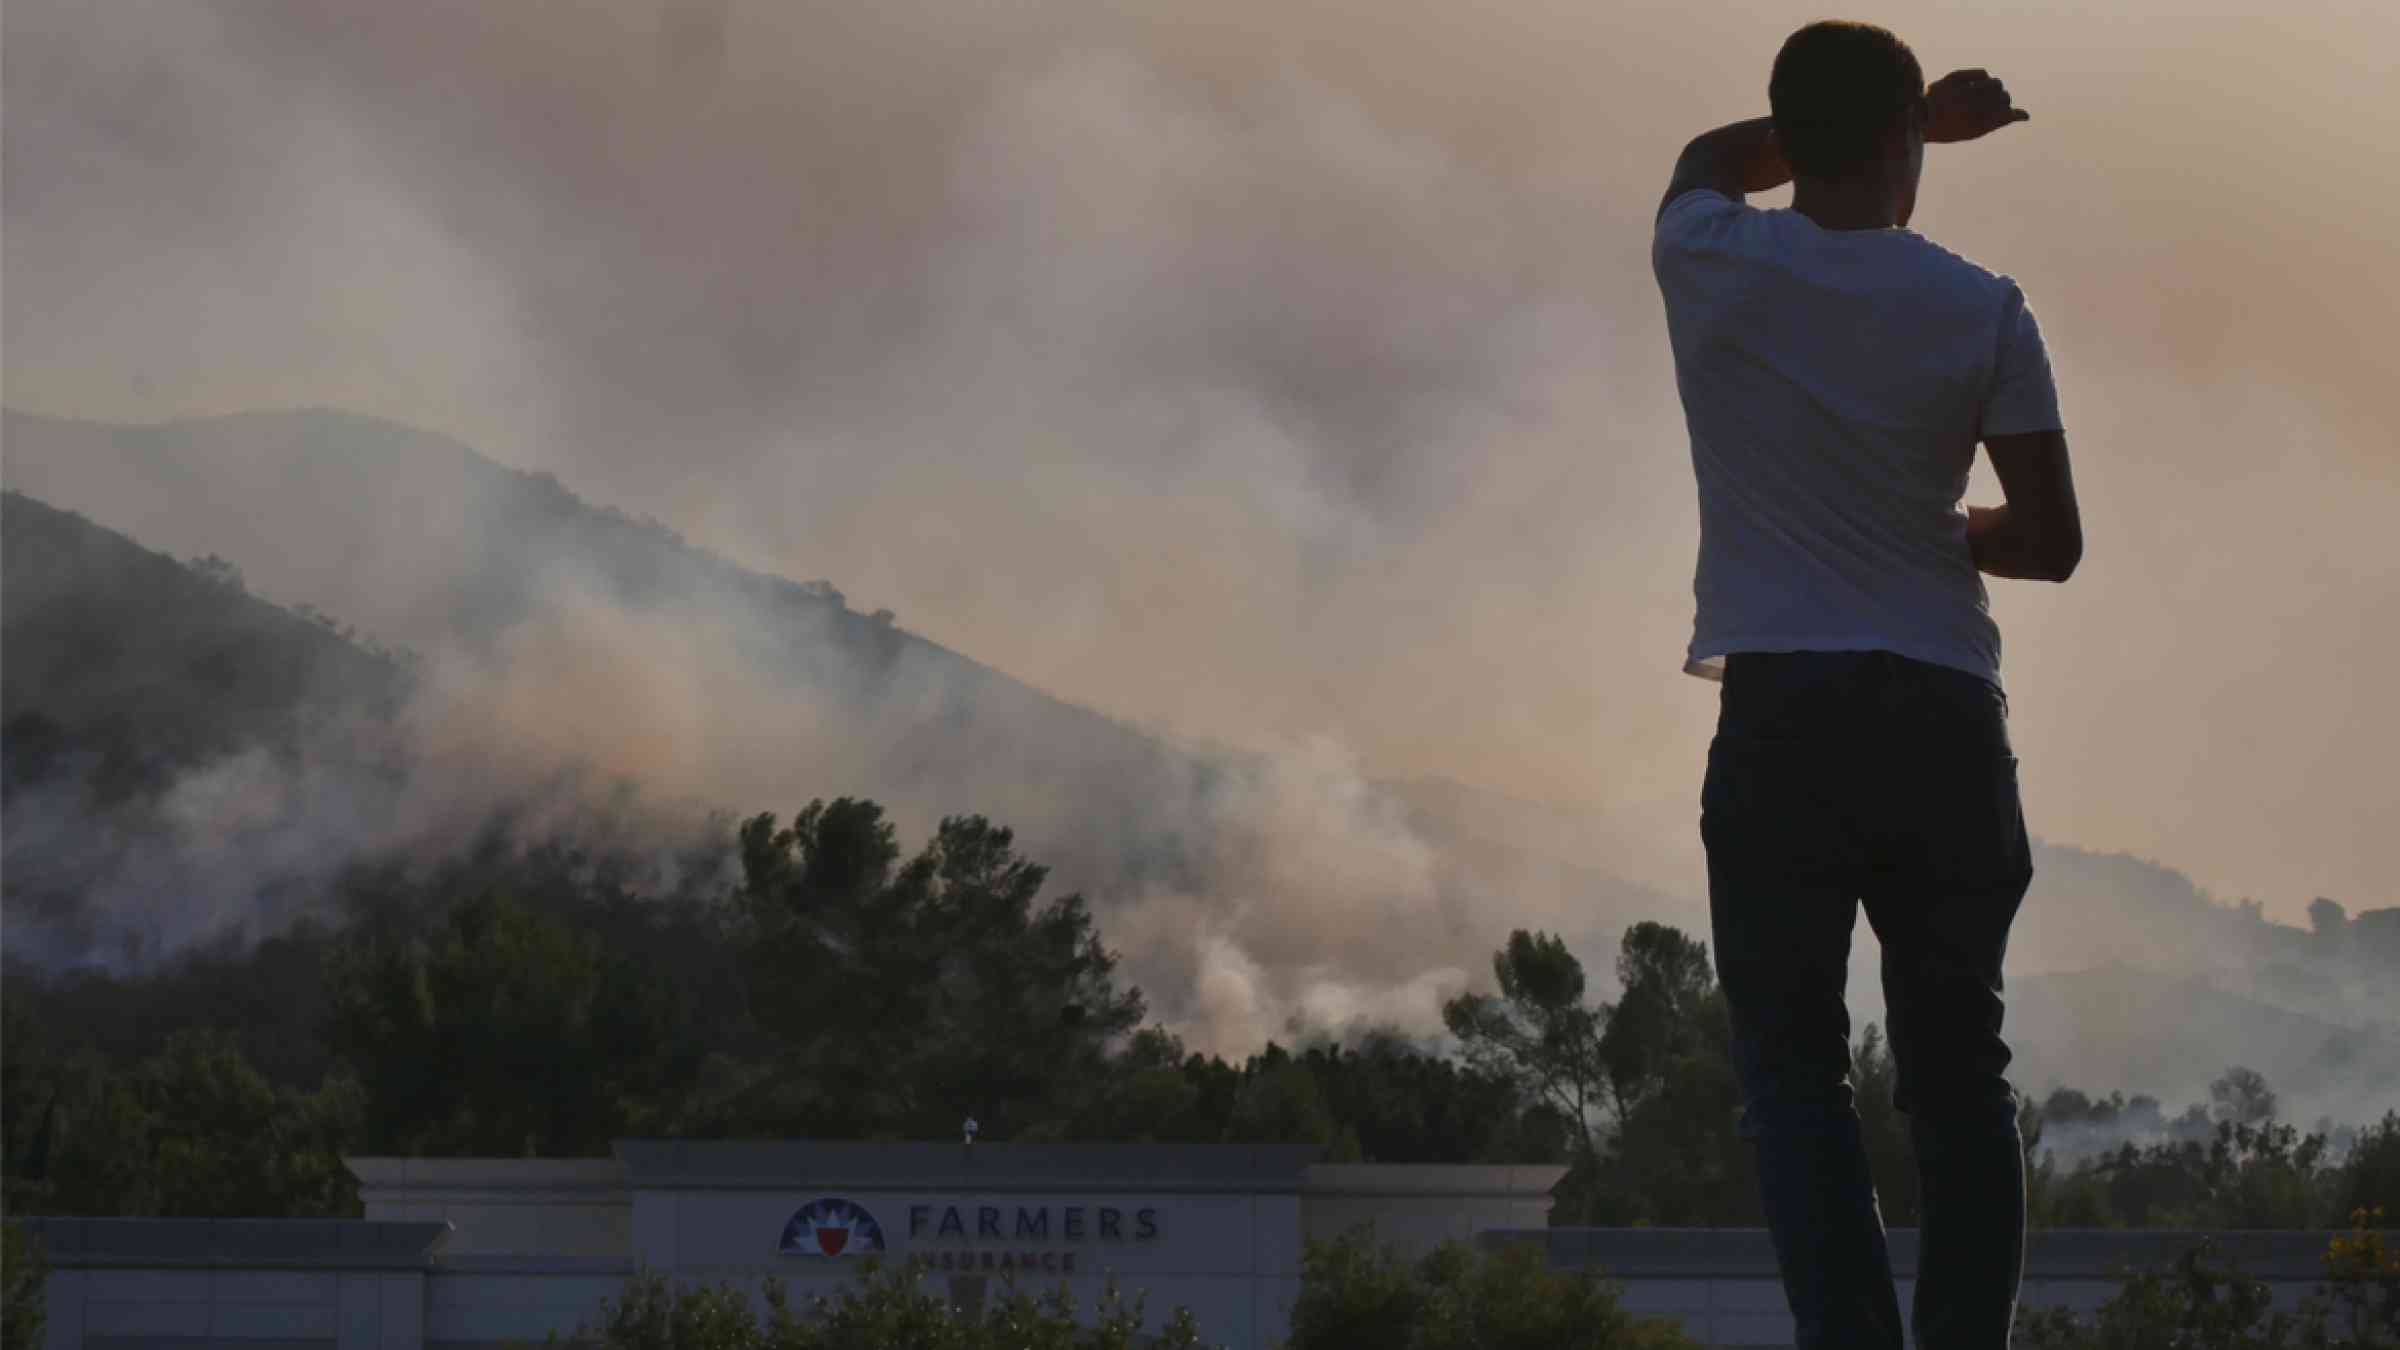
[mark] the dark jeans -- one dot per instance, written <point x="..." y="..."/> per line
<point x="1845" y="778"/>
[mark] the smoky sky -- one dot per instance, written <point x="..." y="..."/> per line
<point x="1276" y="375"/>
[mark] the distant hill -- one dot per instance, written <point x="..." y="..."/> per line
<point x="151" y="667"/>
<point x="2090" y="910"/>
<point x="129" y="676"/>
<point x="2169" y="1035"/>
<point x="1243" y="887"/>
<point x="1246" y="890"/>
<point x="423" y="543"/>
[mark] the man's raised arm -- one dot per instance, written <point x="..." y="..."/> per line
<point x="1736" y="159"/>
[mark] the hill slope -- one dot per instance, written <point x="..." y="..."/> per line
<point x="2169" y="1035"/>
<point x="1245" y="889"/>
<point x="142" y="706"/>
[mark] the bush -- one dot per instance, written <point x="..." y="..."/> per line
<point x="2199" y="1303"/>
<point x="1353" y="1293"/>
<point x="889" y="1307"/>
<point x="2362" y="1276"/>
<point x="2202" y="1303"/>
<point x="2370" y="1176"/>
<point x="24" y="1288"/>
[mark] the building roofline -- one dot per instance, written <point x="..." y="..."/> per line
<point x="661" y="1164"/>
<point x="679" y="1164"/>
<point x="311" y="1244"/>
<point x="1514" y="1181"/>
<point x="547" y="1176"/>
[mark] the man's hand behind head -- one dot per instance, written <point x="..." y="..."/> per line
<point x="1965" y="104"/>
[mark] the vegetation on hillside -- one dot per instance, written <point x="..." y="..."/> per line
<point x="844" y="988"/>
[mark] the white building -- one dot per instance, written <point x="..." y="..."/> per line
<point x="466" y="1254"/>
<point x="479" y="1254"/>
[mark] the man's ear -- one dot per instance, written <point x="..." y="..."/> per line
<point x="1901" y="138"/>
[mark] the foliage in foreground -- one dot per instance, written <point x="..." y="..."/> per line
<point x="24" y="1288"/>
<point x="890" y="1307"/>
<point x="1354" y="1293"/>
<point x="2202" y="1302"/>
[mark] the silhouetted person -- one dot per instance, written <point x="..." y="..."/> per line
<point x="1837" y="372"/>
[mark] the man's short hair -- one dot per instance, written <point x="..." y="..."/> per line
<point x="1837" y="88"/>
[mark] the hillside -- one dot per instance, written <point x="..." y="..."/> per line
<point x="550" y="631"/>
<point x="141" y="701"/>
<point x="572" y="664"/>
<point x="152" y="667"/>
<point x="2169" y="1035"/>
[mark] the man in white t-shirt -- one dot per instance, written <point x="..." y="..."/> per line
<point x="1837" y="373"/>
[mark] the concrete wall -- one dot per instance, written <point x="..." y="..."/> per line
<point x="539" y="1244"/>
<point x="483" y="1302"/>
<point x="234" y="1284"/>
<point x="1417" y="1208"/>
<point x="1227" y="1227"/>
<point x="506" y="1206"/>
<point x="1214" y="1228"/>
<point x="1232" y="1258"/>
<point x="1721" y="1284"/>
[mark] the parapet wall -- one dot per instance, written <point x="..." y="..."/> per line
<point x="235" y="1284"/>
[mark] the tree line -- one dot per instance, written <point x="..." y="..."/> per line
<point x="536" y="1002"/>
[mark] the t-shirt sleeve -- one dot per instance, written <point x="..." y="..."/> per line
<point x="2023" y="395"/>
<point x="1693" y="222"/>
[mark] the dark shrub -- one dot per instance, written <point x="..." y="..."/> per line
<point x="1354" y="1293"/>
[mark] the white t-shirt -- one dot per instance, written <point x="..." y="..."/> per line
<point x="1836" y="384"/>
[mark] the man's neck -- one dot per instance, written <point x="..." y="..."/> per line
<point x="1846" y="204"/>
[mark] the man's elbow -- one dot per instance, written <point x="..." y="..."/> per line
<point x="2062" y="553"/>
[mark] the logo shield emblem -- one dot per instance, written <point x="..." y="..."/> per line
<point x="831" y="1228"/>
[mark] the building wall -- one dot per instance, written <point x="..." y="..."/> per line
<point x="576" y="1208"/>
<point x="1229" y="1225"/>
<point x="226" y="1284"/>
<point x="1229" y="1220"/>
<point x="1232" y="1258"/>
<point x="1417" y="1208"/>
<point x="487" y="1303"/>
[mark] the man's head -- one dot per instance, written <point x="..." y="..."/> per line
<point x="1849" y="106"/>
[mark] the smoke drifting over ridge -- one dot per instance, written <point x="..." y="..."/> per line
<point x="1285" y="377"/>
<point x="566" y="650"/>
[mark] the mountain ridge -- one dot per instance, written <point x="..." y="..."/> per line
<point x="1250" y="888"/>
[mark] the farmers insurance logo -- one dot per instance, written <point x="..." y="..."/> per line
<point x="832" y="1227"/>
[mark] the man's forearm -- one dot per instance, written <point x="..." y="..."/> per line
<point x="2005" y="544"/>
<point x="1743" y="154"/>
